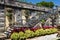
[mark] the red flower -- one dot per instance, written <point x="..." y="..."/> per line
<point x="34" y="28"/>
<point x="47" y="27"/>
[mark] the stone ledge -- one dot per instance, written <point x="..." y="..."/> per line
<point x="47" y="37"/>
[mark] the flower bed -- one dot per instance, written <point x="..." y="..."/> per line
<point x="26" y="34"/>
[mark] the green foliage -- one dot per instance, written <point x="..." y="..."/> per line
<point x="46" y="4"/>
<point x="27" y="13"/>
<point x="15" y="36"/>
<point x="48" y="31"/>
<point x="21" y="0"/>
<point x="9" y="15"/>
<point x="29" y="33"/>
<point x="39" y="32"/>
<point x="21" y="35"/>
<point x="42" y="20"/>
<point x="53" y="30"/>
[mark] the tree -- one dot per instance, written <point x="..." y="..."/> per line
<point x="22" y="0"/>
<point x="45" y="4"/>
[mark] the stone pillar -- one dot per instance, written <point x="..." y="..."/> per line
<point x="6" y="19"/>
<point x="23" y="17"/>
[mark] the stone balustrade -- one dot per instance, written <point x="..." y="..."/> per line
<point x="24" y="5"/>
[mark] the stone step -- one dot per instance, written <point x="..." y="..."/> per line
<point x="2" y="29"/>
<point x="2" y="36"/>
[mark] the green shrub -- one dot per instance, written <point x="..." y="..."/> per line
<point x="21" y="35"/>
<point x="48" y="31"/>
<point x="39" y="32"/>
<point x="15" y="36"/>
<point x="29" y="33"/>
<point x="53" y="30"/>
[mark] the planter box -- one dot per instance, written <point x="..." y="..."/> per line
<point x="46" y="37"/>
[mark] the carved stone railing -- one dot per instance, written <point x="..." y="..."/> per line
<point x="26" y="5"/>
<point x="2" y="18"/>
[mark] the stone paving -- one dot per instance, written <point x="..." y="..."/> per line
<point x="2" y="36"/>
<point x="47" y="37"/>
<point x="7" y="39"/>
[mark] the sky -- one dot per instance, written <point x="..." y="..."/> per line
<point x="56" y="2"/>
